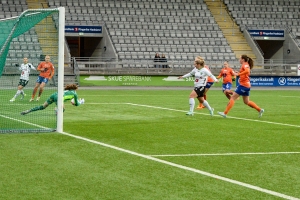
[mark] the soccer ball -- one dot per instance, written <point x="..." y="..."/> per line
<point x="73" y="101"/>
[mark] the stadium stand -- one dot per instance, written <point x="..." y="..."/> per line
<point x="181" y="29"/>
<point x="266" y="14"/>
<point x="175" y="28"/>
<point x="22" y="46"/>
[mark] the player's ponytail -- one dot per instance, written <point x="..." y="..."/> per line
<point x="248" y="60"/>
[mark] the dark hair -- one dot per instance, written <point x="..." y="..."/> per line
<point x="248" y="60"/>
<point x="71" y="87"/>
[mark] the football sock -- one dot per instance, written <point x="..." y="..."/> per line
<point x="17" y="94"/>
<point x="206" y="104"/>
<point x="192" y="104"/>
<point x="253" y="105"/>
<point x="229" y="106"/>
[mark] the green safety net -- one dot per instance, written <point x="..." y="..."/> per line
<point x="13" y="27"/>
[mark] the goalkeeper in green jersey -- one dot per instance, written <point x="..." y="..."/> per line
<point x="69" y="94"/>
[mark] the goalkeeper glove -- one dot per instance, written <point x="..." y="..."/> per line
<point x="81" y="101"/>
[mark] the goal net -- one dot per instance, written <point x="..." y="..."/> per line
<point x="30" y="36"/>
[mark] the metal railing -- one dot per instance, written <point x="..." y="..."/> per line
<point x="110" y="66"/>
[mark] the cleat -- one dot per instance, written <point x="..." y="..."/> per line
<point x="261" y="113"/>
<point x="31" y="100"/>
<point x="23" y="95"/>
<point x="38" y="98"/>
<point x="212" y="112"/>
<point x="25" y="112"/>
<point x="12" y="100"/>
<point x="190" y="113"/>
<point x="200" y="106"/>
<point x="222" y="114"/>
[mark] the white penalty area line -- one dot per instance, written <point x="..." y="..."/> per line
<point x="277" y="194"/>
<point x="224" y="154"/>
<point x="245" y="119"/>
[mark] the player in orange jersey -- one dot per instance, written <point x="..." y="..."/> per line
<point x="227" y="74"/>
<point x="243" y="88"/>
<point x="47" y="70"/>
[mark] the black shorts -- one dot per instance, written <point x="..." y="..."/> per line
<point x="23" y="82"/>
<point x="200" y="91"/>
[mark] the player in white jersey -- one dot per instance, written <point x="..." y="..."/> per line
<point x="24" y="78"/>
<point x="201" y="74"/>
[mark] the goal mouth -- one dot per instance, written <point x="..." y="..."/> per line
<point x="25" y="41"/>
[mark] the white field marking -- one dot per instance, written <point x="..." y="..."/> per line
<point x="277" y="194"/>
<point x="134" y="95"/>
<point x="224" y="154"/>
<point x="105" y="103"/>
<point x="290" y="96"/>
<point x="23" y="122"/>
<point x="245" y="119"/>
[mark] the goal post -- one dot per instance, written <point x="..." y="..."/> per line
<point x="33" y="34"/>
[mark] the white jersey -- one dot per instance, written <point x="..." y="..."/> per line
<point x="25" y="68"/>
<point x="200" y="76"/>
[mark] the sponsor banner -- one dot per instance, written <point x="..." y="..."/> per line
<point x="274" y="81"/>
<point x="298" y="71"/>
<point x="83" y="29"/>
<point x="266" y="33"/>
<point x="128" y="80"/>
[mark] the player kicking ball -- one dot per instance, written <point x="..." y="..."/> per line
<point x="69" y="94"/>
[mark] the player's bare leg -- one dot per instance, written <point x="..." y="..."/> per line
<point x="40" y="91"/>
<point x="34" y="91"/>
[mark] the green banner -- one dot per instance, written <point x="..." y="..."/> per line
<point x="128" y="80"/>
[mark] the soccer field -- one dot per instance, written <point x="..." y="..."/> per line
<point x="139" y="144"/>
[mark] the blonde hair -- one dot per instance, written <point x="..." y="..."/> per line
<point x="200" y="62"/>
<point x="199" y="58"/>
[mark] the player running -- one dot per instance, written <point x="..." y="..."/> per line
<point x="210" y="82"/>
<point x="244" y="87"/>
<point x="227" y="74"/>
<point x="201" y="74"/>
<point x="24" y="78"/>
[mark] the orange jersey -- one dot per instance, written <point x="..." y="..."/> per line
<point x="244" y="79"/>
<point x="46" y="69"/>
<point x="209" y="79"/>
<point x="227" y="74"/>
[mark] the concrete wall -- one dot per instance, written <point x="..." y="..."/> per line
<point x="259" y="56"/>
<point x="105" y="47"/>
<point x="290" y="44"/>
<point x="278" y="55"/>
